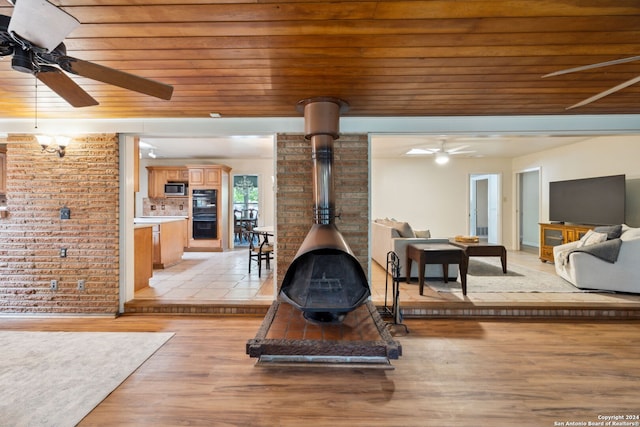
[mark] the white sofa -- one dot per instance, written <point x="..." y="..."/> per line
<point x="389" y="235"/>
<point x="586" y="271"/>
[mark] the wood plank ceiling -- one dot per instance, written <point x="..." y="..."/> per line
<point x="386" y="58"/>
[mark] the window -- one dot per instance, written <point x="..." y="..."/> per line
<point x="245" y="193"/>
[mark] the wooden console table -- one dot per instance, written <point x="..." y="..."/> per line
<point x="552" y="234"/>
<point x="437" y="253"/>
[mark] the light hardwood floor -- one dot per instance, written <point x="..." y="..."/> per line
<point x="452" y="373"/>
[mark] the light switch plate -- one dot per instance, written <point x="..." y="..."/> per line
<point x="65" y="213"/>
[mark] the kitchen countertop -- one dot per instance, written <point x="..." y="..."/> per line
<point x="157" y="219"/>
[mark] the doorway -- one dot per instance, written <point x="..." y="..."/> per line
<point x="246" y="207"/>
<point x="528" y="215"/>
<point x="484" y="207"/>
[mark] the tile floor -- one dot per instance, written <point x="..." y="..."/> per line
<point x="223" y="277"/>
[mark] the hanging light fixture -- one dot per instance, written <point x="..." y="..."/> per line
<point x="53" y="144"/>
<point x="442" y="157"/>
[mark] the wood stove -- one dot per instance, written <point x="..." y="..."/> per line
<point x="325" y="280"/>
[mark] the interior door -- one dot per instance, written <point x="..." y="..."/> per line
<point x="484" y="207"/>
<point x="528" y="185"/>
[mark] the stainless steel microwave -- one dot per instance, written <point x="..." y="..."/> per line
<point x="175" y="189"/>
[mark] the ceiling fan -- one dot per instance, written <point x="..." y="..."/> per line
<point x="598" y="65"/>
<point x="441" y="152"/>
<point x="34" y="36"/>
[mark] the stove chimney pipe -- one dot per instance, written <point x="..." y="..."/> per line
<point x="321" y="126"/>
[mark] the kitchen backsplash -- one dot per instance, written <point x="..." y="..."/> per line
<point x="174" y="206"/>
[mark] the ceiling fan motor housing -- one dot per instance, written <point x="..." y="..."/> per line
<point x="22" y="61"/>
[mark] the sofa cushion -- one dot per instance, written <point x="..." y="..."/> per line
<point x="423" y="234"/>
<point x="404" y="229"/>
<point x="613" y="231"/>
<point x="591" y="238"/>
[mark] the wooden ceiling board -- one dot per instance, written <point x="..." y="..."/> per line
<point x="386" y="58"/>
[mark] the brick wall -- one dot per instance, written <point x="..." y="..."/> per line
<point x="86" y="180"/>
<point x="294" y="196"/>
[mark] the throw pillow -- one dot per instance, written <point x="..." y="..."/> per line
<point x="591" y="238"/>
<point x="613" y="231"/>
<point x="404" y="229"/>
<point x="630" y="234"/>
<point x="423" y="234"/>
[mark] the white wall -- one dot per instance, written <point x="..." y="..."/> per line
<point x="435" y="197"/>
<point x="601" y="156"/>
<point x="261" y="167"/>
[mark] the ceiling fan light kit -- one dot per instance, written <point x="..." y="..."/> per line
<point x="34" y="36"/>
<point x="442" y="158"/>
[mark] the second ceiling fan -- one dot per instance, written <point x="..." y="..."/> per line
<point x="598" y="65"/>
<point x="442" y="153"/>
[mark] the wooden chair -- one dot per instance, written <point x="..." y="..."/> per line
<point x="260" y="249"/>
<point x="238" y="225"/>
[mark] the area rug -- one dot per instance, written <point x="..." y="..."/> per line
<point x="485" y="276"/>
<point x="57" y="378"/>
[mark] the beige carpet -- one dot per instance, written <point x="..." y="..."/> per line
<point x="57" y="378"/>
<point x="485" y="276"/>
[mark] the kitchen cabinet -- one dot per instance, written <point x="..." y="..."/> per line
<point x="168" y="239"/>
<point x="143" y="255"/>
<point x="210" y="177"/>
<point x="558" y="234"/>
<point x="160" y="175"/>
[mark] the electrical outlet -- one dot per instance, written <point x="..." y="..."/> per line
<point x="63" y="252"/>
<point x="54" y="285"/>
<point x="81" y="285"/>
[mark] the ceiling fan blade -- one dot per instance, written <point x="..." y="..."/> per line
<point x="41" y="23"/>
<point x="606" y="92"/>
<point x="62" y="84"/>
<point x="588" y="67"/>
<point x="456" y="149"/>
<point x="422" y="151"/>
<point x="461" y="152"/>
<point x="116" y="77"/>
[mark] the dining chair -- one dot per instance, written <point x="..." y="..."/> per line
<point x="260" y="249"/>
<point x="238" y="225"/>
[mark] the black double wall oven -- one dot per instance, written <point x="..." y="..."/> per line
<point x="205" y="214"/>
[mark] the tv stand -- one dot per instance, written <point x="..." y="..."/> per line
<point x="554" y="234"/>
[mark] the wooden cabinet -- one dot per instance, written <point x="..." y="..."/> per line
<point x="143" y="256"/>
<point x="205" y="176"/>
<point x="168" y="242"/>
<point x="211" y="177"/>
<point x="160" y="175"/>
<point x="179" y="174"/>
<point x="558" y="234"/>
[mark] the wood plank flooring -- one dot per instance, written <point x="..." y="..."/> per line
<point x="461" y="372"/>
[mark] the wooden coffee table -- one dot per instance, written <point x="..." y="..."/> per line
<point x="484" y="249"/>
<point x="437" y="253"/>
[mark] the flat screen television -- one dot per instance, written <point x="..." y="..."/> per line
<point x="591" y="201"/>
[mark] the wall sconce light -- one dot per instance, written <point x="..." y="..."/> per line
<point x="53" y="144"/>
